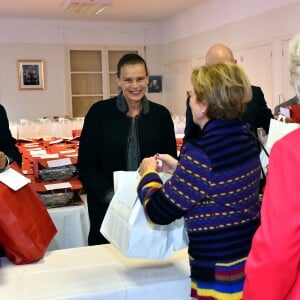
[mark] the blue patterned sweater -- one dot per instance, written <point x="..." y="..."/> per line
<point x="216" y="188"/>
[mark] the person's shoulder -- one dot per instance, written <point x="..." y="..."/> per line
<point x="255" y="87"/>
<point x="106" y="102"/>
<point x="258" y="98"/>
<point x="103" y="104"/>
<point x="293" y="136"/>
<point x="3" y="114"/>
<point x="155" y="104"/>
<point x="290" y="140"/>
<point x="157" y="107"/>
<point x="286" y="149"/>
<point x="2" y="109"/>
<point x="100" y="108"/>
<point x="256" y="90"/>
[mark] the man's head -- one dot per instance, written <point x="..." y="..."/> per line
<point x="219" y="53"/>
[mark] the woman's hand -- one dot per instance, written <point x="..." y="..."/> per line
<point x="160" y="163"/>
<point x="168" y="165"/>
<point x="148" y="164"/>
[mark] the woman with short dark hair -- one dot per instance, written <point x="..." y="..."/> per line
<point x="117" y="134"/>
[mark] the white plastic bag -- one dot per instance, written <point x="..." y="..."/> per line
<point x="126" y="226"/>
<point x="278" y="129"/>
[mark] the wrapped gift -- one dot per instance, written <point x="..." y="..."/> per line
<point x="55" y="169"/>
<point x="60" y="193"/>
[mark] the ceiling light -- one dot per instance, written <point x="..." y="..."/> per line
<point x="84" y="7"/>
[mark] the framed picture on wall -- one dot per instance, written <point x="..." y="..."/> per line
<point x="155" y="84"/>
<point x="31" y="74"/>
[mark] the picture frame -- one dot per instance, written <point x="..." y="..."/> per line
<point x="31" y="74"/>
<point x="155" y="84"/>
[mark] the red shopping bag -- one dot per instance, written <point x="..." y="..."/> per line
<point x="295" y="112"/>
<point x="26" y="229"/>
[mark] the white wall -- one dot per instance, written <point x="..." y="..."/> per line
<point x="173" y="47"/>
<point x="268" y="30"/>
<point x="48" y="40"/>
<point x="212" y="14"/>
<point x="26" y="103"/>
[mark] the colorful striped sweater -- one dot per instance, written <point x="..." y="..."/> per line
<point x="216" y="188"/>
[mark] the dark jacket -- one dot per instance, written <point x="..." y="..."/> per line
<point x="103" y="150"/>
<point x="257" y="114"/>
<point x="7" y="142"/>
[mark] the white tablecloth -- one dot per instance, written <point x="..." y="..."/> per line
<point x="72" y="223"/>
<point x="98" y="272"/>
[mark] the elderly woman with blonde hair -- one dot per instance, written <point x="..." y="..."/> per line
<point x="214" y="184"/>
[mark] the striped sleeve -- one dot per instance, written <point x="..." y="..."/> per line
<point x="150" y="183"/>
<point x="157" y="206"/>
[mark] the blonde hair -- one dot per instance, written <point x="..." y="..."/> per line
<point x="225" y="87"/>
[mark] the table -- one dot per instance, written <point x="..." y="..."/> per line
<point x="72" y="223"/>
<point x="97" y="272"/>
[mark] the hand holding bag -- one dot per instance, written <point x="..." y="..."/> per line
<point x="278" y="129"/>
<point x="126" y="226"/>
<point x="26" y="229"/>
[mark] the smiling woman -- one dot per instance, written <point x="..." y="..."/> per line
<point x="133" y="81"/>
<point x="117" y="134"/>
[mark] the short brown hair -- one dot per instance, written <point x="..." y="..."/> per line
<point x="225" y="87"/>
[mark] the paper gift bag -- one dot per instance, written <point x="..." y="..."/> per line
<point x="295" y="112"/>
<point x="126" y="226"/>
<point x="26" y="229"/>
<point x="278" y="129"/>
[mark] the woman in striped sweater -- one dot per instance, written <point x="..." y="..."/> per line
<point x="215" y="184"/>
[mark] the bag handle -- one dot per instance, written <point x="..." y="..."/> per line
<point x="262" y="147"/>
<point x="281" y="118"/>
<point x="258" y="140"/>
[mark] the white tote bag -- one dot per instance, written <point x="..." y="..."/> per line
<point x="127" y="228"/>
<point x="278" y="129"/>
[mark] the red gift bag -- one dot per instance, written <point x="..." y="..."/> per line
<point x="26" y="229"/>
<point x="295" y="112"/>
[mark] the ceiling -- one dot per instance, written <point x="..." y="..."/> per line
<point x="119" y="10"/>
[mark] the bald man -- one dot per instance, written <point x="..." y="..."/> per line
<point x="219" y="53"/>
<point x="257" y="113"/>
